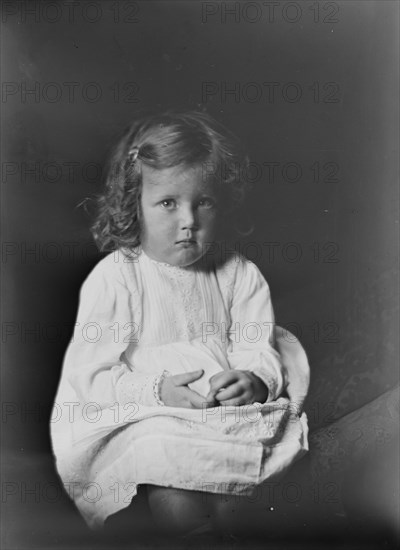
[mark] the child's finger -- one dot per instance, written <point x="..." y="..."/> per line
<point x="187" y="377"/>
<point x="233" y="391"/>
<point x="236" y="402"/>
<point x="210" y="399"/>
<point x="211" y="396"/>
<point x="222" y="380"/>
<point x="197" y="400"/>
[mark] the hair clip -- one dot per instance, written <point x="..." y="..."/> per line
<point x="133" y="153"/>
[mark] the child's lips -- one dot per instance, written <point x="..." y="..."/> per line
<point x="186" y="242"/>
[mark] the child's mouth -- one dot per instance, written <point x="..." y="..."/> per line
<point x="186" y="242"/>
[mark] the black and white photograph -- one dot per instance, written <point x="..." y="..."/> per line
<point x="200" y="274"/>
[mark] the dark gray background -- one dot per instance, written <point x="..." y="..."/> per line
<point x="343" y="301"/>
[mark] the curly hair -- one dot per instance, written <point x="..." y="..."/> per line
<point x="165" y="140"/>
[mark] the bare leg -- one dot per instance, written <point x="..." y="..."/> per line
<point x="177" y="511"/>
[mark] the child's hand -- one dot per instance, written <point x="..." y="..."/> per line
<point x="174" y="392"/>
<point x="237" y="387"/>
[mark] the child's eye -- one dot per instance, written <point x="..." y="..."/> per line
<point x="207" y="202"/>
<point x="168" y="203"/>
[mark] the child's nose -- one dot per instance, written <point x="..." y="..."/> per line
<point x="188" y="219"/>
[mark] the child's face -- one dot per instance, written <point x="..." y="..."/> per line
<point x="179" y="212"/>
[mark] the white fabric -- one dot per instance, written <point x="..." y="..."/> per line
<point x="138" y="317"/>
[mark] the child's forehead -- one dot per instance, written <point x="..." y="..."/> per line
<point x="176" y="176"/>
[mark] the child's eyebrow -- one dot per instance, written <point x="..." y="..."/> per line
<point x="173" y="194"/>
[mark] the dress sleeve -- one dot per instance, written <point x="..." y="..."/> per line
<point x="251" y="335"/>
<point x="94" y="362"/>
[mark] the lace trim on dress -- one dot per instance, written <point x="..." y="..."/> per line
<point x="185" y="284"/>
<point x="138" y="388"/>
<point x="157" y="388"/>
<point x="270" y="380"/>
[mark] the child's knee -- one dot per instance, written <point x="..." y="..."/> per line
<point x="163" y="500"/>
<point x="175" y="510"/>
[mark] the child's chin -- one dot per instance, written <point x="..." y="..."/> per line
<point x="188" y="257"/>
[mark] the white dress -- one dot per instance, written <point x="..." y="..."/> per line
<point x="139" y="317"/>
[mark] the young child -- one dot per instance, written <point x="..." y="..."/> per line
<point x="173" y="378"/>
